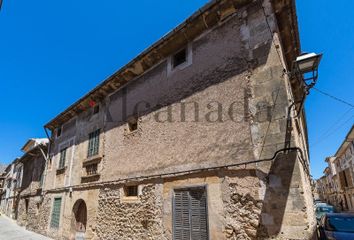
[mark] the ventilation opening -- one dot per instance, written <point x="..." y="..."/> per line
<point x="91" y="169"/>
<point x="131" y="191"/>
<point x="133" y="124"/>
<point x="59" y="131"/>
<point x="96" y="109"/>
<point x="179" y="58"/>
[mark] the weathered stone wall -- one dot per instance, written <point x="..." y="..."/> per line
<point x="130" y="219"/>
<point x="36" y="218"/>
<point x="218" y="74"/>
<point x="243" y="201"/>
<point x="238" y="64"/>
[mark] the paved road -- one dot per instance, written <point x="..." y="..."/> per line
<point x="9" y="230"/>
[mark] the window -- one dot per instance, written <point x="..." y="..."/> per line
<point x="91" y="169"/>
<point x="131" y="191"/>
<point x="190" y="216"/>
<point x="96" y="109"/>
<point x="62" y="158"/>
<point x="179" y="58"/>
<point x="18" y="177"/>
<point x="58" y="131"/>
<point x="133" y="124"/>
<point x="94" y="143"/>
<point x="26" y="204"/>
<point x="54" y="223"/>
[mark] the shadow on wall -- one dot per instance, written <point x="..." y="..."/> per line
<point x="283" y="200"/>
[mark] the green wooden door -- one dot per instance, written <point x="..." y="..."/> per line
<point x="54" y="223"/>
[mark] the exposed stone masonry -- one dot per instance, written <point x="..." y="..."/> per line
<point x="120" y="218"/>
<point x="242" y="207"/>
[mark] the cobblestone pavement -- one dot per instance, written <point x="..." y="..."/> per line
<point x="9" y="230"/>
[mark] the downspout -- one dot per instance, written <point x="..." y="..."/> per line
<point x="46" y="158"/>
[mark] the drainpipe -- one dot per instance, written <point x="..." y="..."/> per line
<point x="46" y="158"/>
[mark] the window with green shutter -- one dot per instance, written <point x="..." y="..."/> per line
<point x="190" y="216"/>
<point x="94" y="143"/>
<point x="62" y="158"/>
<point x="54" y="223"/>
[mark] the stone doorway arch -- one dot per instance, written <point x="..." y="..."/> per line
<point x="79" y="220"/>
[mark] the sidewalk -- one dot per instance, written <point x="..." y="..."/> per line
<point x="9" y="230"/>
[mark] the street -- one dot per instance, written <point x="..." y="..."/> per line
<point x="9" y="230"/>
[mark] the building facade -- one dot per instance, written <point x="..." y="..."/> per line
<point x="29" y="194"/>
<point x="340" y="189"/>
<point x="193" y="139"/>
<point x="22" y="184"/>
<point x="201" y="136"/>
<point x="12" y="180"/>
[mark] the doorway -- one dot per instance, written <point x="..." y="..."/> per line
<point x="79" y="220"/>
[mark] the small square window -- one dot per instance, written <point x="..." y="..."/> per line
<point x="131" y="191"/>
<point x="58" y="131"/>
<point x="179" y="57"/>
<point x="133" y="124"/>
<point x="96" y="109"/>
<point x="91" y="169"/>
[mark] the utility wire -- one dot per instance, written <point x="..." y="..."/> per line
<point x="334" y="130"/>
<point x="333" y="97"/>
<point x="331" y="130"/>
<point x="335" y="123"/>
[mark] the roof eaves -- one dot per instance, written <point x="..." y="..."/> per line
<point x="127" y="71"/>
<point x="346" y="141"/>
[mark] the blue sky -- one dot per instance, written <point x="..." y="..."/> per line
<point x="53" y="52"/>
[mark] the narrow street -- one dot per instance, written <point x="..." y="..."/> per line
<point x="11" y="231"/>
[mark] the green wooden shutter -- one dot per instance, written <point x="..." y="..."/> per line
<point x="54" y="223"/>
<point x="93" y="145"/>
<point x="190" y="220"/>
<point x="62" y="158"/>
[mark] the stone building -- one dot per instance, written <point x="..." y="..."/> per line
<point x="2" y="188"/>
<point x="337" y="185"/>
<point x="12" y="179"/>
<point x="29" y="192"/>
<point x="345" y="168"/>
<point x="193" y="139"/>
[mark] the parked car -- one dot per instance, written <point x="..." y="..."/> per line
<point x="316" y="201"/>
<point x="323" y="208"/>
<point x="336" y="226"/>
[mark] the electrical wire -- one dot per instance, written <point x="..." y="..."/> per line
<point x="334" y="131"/>
<point x="333" y="97"/>
<point x="183" y="172"/>
<point x="334" y="124"/>
<point x="334" y="127"/>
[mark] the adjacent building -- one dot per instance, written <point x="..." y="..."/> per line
<point x="12" y="179"/>
<point x="22" y="183"/>
<point x="30" y="197"/>
<point x="201" y="136"/>
<point x="338" y="186"/>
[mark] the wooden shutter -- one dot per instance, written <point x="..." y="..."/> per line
<point x="54" y="223"/>
<point x="62" y="158"/>
<point x="94" y="143"/>
<point x="198" y="212"/>
<point x="190" y="214"/>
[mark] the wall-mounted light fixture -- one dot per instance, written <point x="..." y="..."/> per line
<point x="306" y="67"/>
